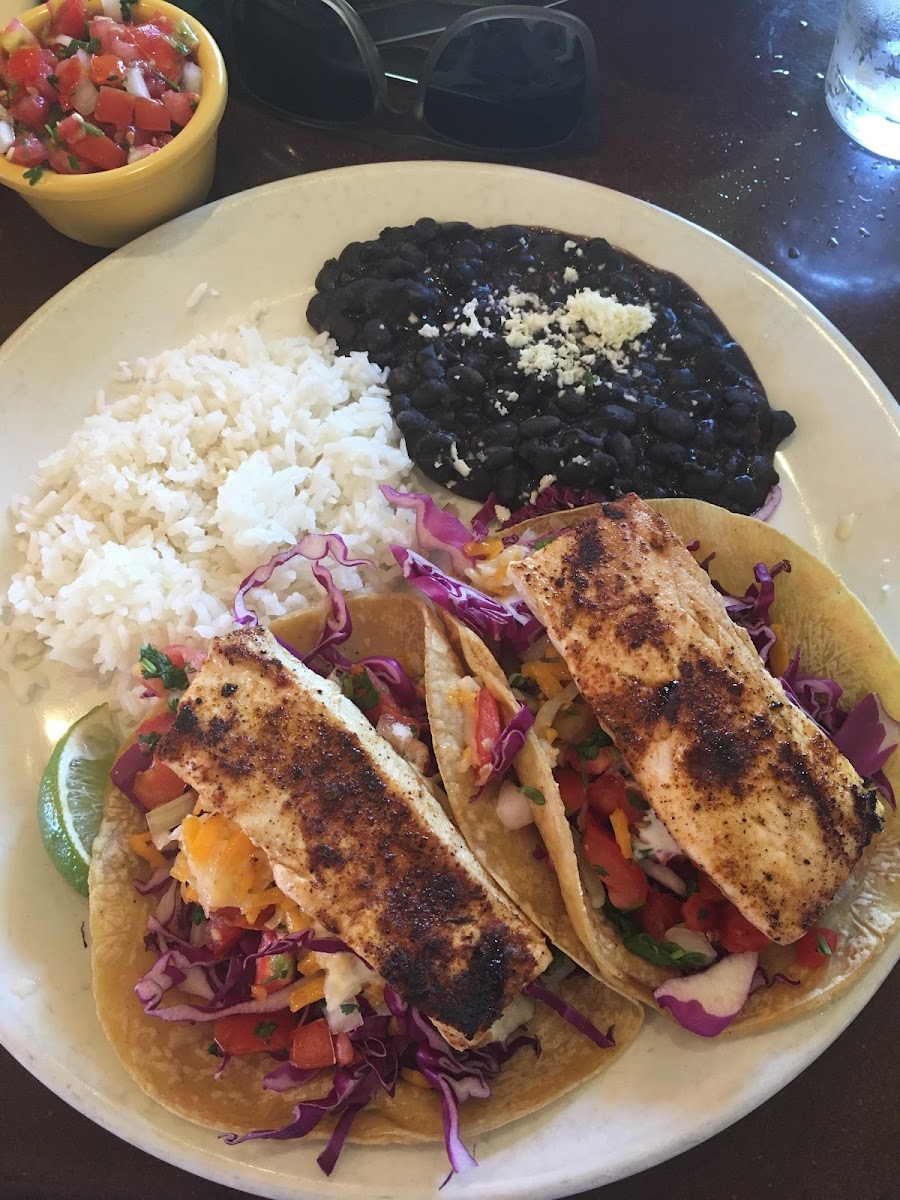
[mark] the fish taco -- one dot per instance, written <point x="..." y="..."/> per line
<point x="290" y="937"/>
<point x="713" y="788"/>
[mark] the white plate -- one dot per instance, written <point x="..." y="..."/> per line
<point x="268" y="245"/>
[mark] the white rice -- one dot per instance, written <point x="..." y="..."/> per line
<point x="142" y="527"/>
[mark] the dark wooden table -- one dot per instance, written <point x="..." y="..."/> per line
<point x="715" y="111"/>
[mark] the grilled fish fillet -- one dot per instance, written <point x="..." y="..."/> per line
<point x="745" y="782"/>
<point x="297" y="766"/>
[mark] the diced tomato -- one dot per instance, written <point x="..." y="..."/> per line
<point x="188" y="658"/>
<point x="102" y="152"/>
<point x="66" y="163"/>
<point x="624" y="880"/>
<point x="659" y="912"/>
<point x="313" y="1046"/>
<point x="23" y="65"/>
<point x="70" y="18"/>
<point x="27" y="151"/>
<point x="571" y="788"/>
<point x="736" y="932"/>
<point x="250" y="1033"/>
<point x="220" y="934"/>
<point x="700" y="914"/>
<point x="274" y="971"/>
<point x="601" y="761"/>
<point x="180" y="107"/>
<point x="160" y="722"/>
<point x="487" y="726"/>
<point x="151" y="115"/>
<point x="607" y="793"/>
<point x="31" y="111"/>
<point x="809" y="948"/>
<point x="70" y="130"/>
<point x="344" y="1050"/>
<point x="162" y="23"/>
<point x="70" y="73"/>
<point x="707" y="889"/>
<point x="107" y="69"/>
<point x="114" y="107"/>
<point x="15" y="36"/>
<point x="157" y="785"/>
<point x="154" y="46"/>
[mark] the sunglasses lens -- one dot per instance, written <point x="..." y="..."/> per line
<point x="512" y="83"/>
<point x="300" y="57"/>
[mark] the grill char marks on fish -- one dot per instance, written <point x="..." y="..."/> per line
<point x="299" y="768"/>
<point x="746" y="783"/>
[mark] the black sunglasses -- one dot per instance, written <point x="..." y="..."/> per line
<point x="511" y="77"/>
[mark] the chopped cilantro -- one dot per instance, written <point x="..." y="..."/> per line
<point x="156" y="665"/>
<point x="360" y="689"/>
<point x="264" y="1030"/>
<point x="636" y="800"/>
<point x="148" y="741"/>
<point x="92" y="129"/>
<point x="173" y="704"/>
<point x="661" y="954"/>
<point x="73" y="162"/>
<point x="53" y="81"/>
<point x="824" y="948"/>
<point x="544" y="541"/>
<point x="186" y="34"/>
<point x="33" y="174"/>
<point x="534" y="795"/>
<point x="690" y="887"/>
<point x="171" y="82"/>
<point x="518" y="681"/>
<point x="197" y="915"/>
<point x="125" y="5"/>
<point x="602" y="871"/>
<point x="90" y="47"/>
<point x="215" y="1050"/>
<point x="279" y="968"/>
<point x="347" y="1009"/>
<point x="592" y="745"/>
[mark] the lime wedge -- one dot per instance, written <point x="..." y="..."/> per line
<point x="70" y="798"/>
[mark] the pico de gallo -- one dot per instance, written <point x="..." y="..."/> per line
<point x="95" y="91"/>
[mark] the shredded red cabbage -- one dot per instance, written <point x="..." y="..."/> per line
<point x="537" y="991"/>
<point x="436" y="528"/>
<point x="552" y="500"/>
<point x="751" y="611"/>
<point x="510" y="741"/>
<point x="131" y="763"/>
<point x="491" y="619"/>
<point x="315" y="547"/>
<point x="389" y="672"/>
<point x="762" y="979"/>
<point x="769" y="505"/>
<point x="483" y="518"/>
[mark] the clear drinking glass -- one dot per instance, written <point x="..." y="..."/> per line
<point x="862" y="86"/>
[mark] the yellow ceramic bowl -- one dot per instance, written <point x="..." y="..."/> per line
<point x="109" y="208"/>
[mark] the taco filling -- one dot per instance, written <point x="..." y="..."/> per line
<point x="311" y="908"/>
<point x="711" y="805"/>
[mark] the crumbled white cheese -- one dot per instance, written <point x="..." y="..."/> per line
<point x="429" y="331"/>
<point x="412" y="319"/>
<point x="472" y="326"/>
<point x="570" y="275"/>
<point x="459" y="465"/>
<point x="502" y="514"/>
<point x="569" y="246"/>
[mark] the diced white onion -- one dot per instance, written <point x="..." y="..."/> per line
<point x="60" y="39"/>
<point x="547" y="712"/>
<point x="593" y="885"/>
<point x="85" y="97"/>
<point x="345" y="977"/>
<point x="536" y="651"/>
<point x="84" y="58"/>
<point x="652" y="836"/>
<point x="135" y="83"/>
<point x="7" y="136"/>
<point x="664" y="875"/>
<point x="192" y="78"/>
<point x="514" y="809"/>
<point x="519" y="1013"/>
<point x="136" y="153"/>
<point x="396" y="733"/>
<point x="112" y="9"/>
<point x="162" y="820"/>
<point x="691" y="941"/>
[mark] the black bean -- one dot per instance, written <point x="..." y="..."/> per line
<point x="400" y="402"/>
<point x="425" y="229"/>
<point x="430" y="394"/>
<point x="739" y="414"/>
<point x="599" y="253"/>
<point x="376" y="336"/>
<point x="672" y="424"/>
<point x="431" y="368"/>
<point x="469" y="422"/>
<point x="466" y="380"/>
<point x="783" y="424"/>
<point x="707" y="433"/>
<point x="497" y="457"/>
<point x="319" y="309"/>
<point x="543" y="457"/>
<point x="540" y="426"/>
<point x="342" y="328"/>
<point x="683" y="343"/>
<point x="413" y="255"/>
<point x="412" y="421"/>
<point x="571" y="403"/>
<point x="508" y="484"/>
<point x="620" y="418"/>
<point x="461" y="273"/>
<point x="402" y="379"/>
<point x="328" y="276"/>
<point x="697" y="402"/>
<point x="681" y="377"/>
<point x="508" y="235"/>
<point x="349" y="257"/>
<point x="667" y="454"/>
<point x="502" y="432"/>
<point x="742" y="493"/>
<point x="419" y="297"/>
<point x="622" y="450"/>
<point x="434" y="444"/>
